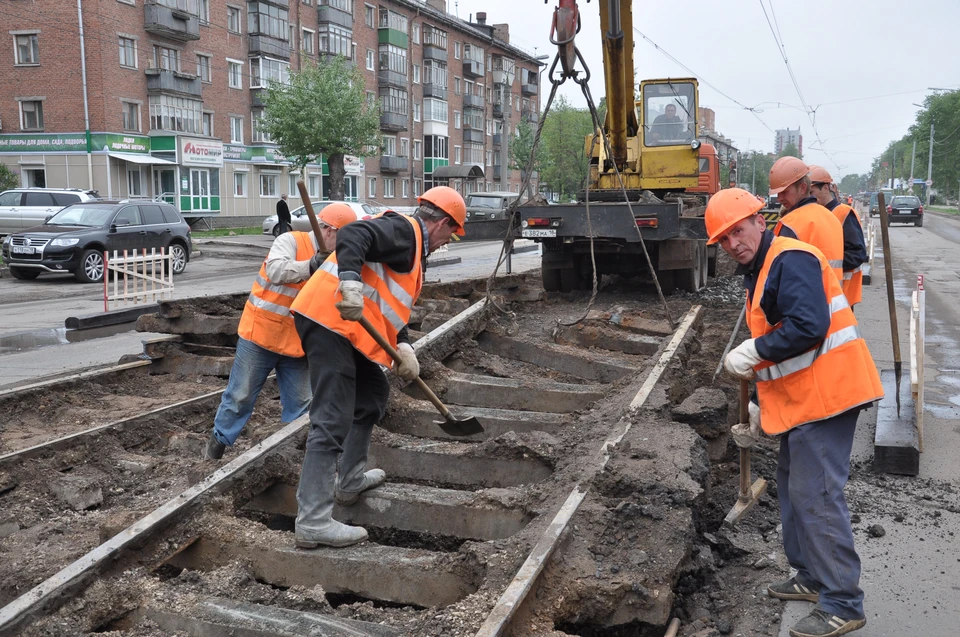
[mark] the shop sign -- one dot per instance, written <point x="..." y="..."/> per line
<point x="200" y="152"/>
<point x="74" y="143"/>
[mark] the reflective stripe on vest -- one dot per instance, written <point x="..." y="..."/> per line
<point x="805" y="360"/>
<point x="371" y="293"/>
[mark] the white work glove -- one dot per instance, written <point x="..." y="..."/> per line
<point x="351" y="306"/>
<point x="409" y="367"/>
<point x="740" y="361"/>
<point x="747" y="434"/>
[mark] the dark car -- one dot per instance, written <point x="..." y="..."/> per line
<point x="74" y="239"/>
<point x="906" y="209"/>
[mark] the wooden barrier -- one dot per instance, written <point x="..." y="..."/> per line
<point x="137" y="277"/>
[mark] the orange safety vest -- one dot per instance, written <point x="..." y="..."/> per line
<point x="852" y="282"/>
<point x="833" y="377"/>
<point x="388" y="300"/>
<point x="815" y="225"/>
<point x="266" y="318"/>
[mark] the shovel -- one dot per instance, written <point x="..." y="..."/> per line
<point x="749" y="493"/>
<point x="451" y="424"/>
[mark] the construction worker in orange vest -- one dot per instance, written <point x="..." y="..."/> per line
<point x="268" y="339"/>
<point x="376" y="272"/>
<point x="814" y="374"/>
<point x="802" y="217"/>
<point x="854" y="245"/>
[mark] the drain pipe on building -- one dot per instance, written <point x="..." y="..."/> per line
<point x="86" y="106"/>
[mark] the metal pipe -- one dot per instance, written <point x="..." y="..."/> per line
<point x="929" y="170"/>
<point x="86" y="106"/>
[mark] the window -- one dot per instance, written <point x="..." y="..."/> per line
<point x="234" y="74"/>
<point x="435" y="73"/>
<point x="393" y="20"/>
<point x="417" y="149"/>
<point x="151" y="215"/>
<point x="435" y="110"/>
<point x="393" y="58"/>
<point x="28" y="48"/>
<point x="166" y="58"/>
<point x="267" y="19"/>
<point x="437" y="146"/>
<point x="389" y="187"/>
<point x="306" y="41"/>
<point x="207" y="123"/>
<point x="31" y="115"/>
<point x="313" y="186"/>
<point x="456" y="85"/>
<point x="473" y="119"/>
<point x="336" y="40"/>
<point x="416" y="73"/>
<point x="168" y="112"/>
<point x="405" y="188"/>
<point x="203" y="68"/>
<point x="268" y="185"/>
<point x="417" y="187"/>
<point x="393" y="100"/>
<point x="240" y="185"/>
<point x="372" y="187"/>
<point x="370" y="16"/>
<point x="433" y="36"/>
<point x="263" y="71"/>
<point x="128" y="52"/>
<point x="292" y="185"/>
<point x="189" y="6"/>
<point x="131" y="116"/>
<point x="416" y="111"/>
<point x="456" y="50"/>
<point x="473" y="153"/>
<point x="236" y="129"/>
<point x="404" y="146"/>
<point x="234" y="19"/>
<point x="371" y="60"/>
<point x="258" y="135"/>
<point x="416" y="38"/>
<point x="134" y="182"/>
<point x="389" y="146"/>
<point x="456" y="154"/>
<point x="489" y="158"/>
<point x="456" y="119"/>
<point x="371" y="99"/>
<point x="204" y="11"/>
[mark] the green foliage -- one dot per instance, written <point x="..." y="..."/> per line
<point x="323" y="112"/>
<point x="565" y="163"/>
<point x="762" y="162"/>
<point x="790" y="150"/>
<point x="8" y="178"/>
<point x="520" y="147"/>
<point x="853" y="183"/>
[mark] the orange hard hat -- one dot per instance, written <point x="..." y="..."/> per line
<point x="449" y="200"/>
<point x="726" y="208"/>
<point x="819" y="175"/>
<point x="337" y="215"/>
<point x="786" y="171"/>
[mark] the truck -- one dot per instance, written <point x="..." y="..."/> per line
<point x="668" y="175"/>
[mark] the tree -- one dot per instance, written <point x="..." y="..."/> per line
<point x="520" y="148"/>
<point x="790" y="150"/>
<point x="565" y="164"/>
<point x="759" y="162"/>
<point x="8" y="178"/>
<point x="323" y="112"/>
<point x="852" y="184"/>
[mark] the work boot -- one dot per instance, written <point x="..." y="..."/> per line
<point x="214" y="448"/>
<point x="351" y="478"/>
<point x="315" y="523"/>
<point x="820" y="623"/>
<point x="793" y="590"/>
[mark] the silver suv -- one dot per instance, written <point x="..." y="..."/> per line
<point x="23" y="208"/>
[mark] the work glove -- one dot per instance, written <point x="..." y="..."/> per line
<point x="747" y="434"/>
<point x="351" y="305"/>
<point x="409" y="366"/>
<point x="317" y="261"/>
<point x="740" y="361"/>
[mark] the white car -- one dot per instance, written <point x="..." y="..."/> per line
<point x="299" y="220"/>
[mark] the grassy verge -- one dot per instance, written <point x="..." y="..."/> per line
<point x="946" y="209"/>
<point x="226" y="232"/>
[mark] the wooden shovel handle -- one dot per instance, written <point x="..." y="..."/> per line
<point x="308" y="206"/>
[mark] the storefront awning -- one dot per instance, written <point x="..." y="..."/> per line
<point x="458" y="172"/>
<point x="135" y="158"/>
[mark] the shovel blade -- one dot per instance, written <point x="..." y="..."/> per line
<point x="468" y="426"/>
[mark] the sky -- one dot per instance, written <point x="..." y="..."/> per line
<point x="860" y="65"/>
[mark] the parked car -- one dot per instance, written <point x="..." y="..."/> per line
<point x="74" y="239"/>
<point x="489" y="206"/>
<point x="875" y="200"/>
<point x="22" y="208"/>
<point x="300" y="222"/>
<point x="906" y="209"/>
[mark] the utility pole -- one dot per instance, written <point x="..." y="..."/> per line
<point x="913" y="158"/>
<point x="930" y="163"/>
<point x="753" y="160"/>
<point x="893" y="167"/>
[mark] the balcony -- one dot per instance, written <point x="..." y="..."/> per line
<point x="531" y="115"/>
<point x="393" y="163"/>
<point x="386" y="77"/>
<point x="498" y="110"/>
<point x="170" y="23"/>
<point x="497" y="139"/>
<point x="391" y="121"/>
<point x="336" y="16"/>
<point x="472" y="135"/>
<point x="472" y="101"/>
<point x="431" y="52"/>
<point x="434" y="90"/>
<point x="528" y="89"/>
<point x="164" y="81"/>
<point x="326" y="58"/>
<point x="472" y="68"/>
<point x="256" y="97"/>
<point x="266" y="45"/>
<point x="497" y="172"/>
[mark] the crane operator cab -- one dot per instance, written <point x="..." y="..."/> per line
<point x="669" y="113"/>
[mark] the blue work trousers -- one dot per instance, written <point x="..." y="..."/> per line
<point x="251" y="366"/>
<point x="817" y="537"/>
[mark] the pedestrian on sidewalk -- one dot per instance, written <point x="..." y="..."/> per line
<point x="268" y="339"/>
<point x="283" y="215"/>
<point x="824" y="189"/>
<point x="814" y="374"/>
<point x="376" y="272"/>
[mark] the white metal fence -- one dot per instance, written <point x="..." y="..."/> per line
<point x="136" y="276"/>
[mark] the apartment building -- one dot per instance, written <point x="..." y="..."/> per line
<point x="161" y="98"/>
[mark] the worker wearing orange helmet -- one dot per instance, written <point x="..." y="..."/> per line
<point x="376" y="273"/>
<point x="802" y="217"/>
<point x="268" y="340"/>
<point x="854" y="245"/>
<point x="814" y="374"/>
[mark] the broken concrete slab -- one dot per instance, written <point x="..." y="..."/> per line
<point x="188" y="324"/>
<point x="610" y="339"/>
<point x="896" y="445"/>
<point x="632" y="322"/>
<point x="408" y="507"/>
<point x="420" y="418"/>
<point x="474" y="390"/>
<point x="136" y="464"/>
<point x="170" y="358"/>
<point x="77" y="492"/>
<point x="706" y="411"/>
<point x="583" y="364"/>
<point x="216" y="617"/>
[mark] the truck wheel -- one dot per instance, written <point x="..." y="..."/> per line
<point x="692" y="279"/>
<point x="568" y="279"/>
<point x="584" y="273"/>
<point x="551" y="278"/>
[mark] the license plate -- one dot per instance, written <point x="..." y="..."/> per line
<point x="905" y="212"/>
<point x="532" y="233"/>
<point x="21" y="250"/>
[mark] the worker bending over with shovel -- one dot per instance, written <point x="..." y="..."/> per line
<point x="814" y="375"/>
<point x="376" y="272"/>
<point x="268" y="340"/>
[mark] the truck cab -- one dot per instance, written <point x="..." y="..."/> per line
<point x="709" y="183"/>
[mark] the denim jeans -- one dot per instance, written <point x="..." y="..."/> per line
<point x="251" y="366"/>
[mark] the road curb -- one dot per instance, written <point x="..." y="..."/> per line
<point x="113" y="317"/>
<point x="436" y="263"/>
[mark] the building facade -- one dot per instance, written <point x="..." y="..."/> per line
<point x="786" y="136"/>
<point x="147" y="98"/>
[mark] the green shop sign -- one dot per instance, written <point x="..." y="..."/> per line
<point x="74" y="143"/>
